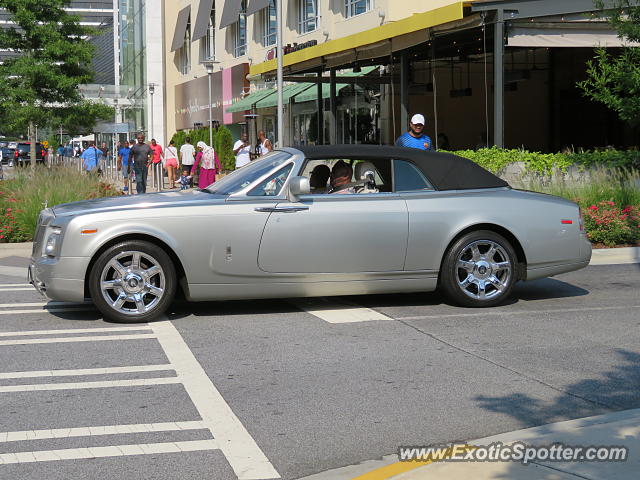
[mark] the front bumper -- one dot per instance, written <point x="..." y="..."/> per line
<point x="59" y="278"/>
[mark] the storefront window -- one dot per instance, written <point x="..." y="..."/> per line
<point x="356" y="7"/>
<point x="269" y="24"/>
<point x="308" y="16"/>
<point x="240" y="37"/>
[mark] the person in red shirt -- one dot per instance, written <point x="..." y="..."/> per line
<point x="157" y="162"/>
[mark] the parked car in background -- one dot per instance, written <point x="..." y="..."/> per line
<point x="22" y="155"/>
<point x="410" y="221"/>
<point x="8" y="154"/>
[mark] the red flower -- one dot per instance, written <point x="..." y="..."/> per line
<point x="1" y="236"/>
<point x="611" y="204"/>
<point x="594" y="208"/>
<point x="8" y="209"/>
<point x="627" y="210"/>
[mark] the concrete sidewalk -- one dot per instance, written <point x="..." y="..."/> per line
<point x="615" y="429"/>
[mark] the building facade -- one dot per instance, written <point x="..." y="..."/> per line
<point x="483" y="72"/>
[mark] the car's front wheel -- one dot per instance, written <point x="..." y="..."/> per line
<point x="133" y="281"/>
<point x="479" y="270"/>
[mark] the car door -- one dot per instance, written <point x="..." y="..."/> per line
<point x="334" y="233"/>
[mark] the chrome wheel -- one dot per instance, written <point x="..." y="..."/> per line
<point x="132" y="283"/>
<point x="483" y="270"/>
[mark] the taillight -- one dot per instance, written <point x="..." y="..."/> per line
<point x="16" y="154"/>
<point x="43" y="153"/>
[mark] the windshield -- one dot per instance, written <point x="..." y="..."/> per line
<point x="245" y="176"/>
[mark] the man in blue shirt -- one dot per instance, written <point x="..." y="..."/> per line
<point x="91" y="159"/>
<point x="414" y="138"/>
<point x="123" y="160"/>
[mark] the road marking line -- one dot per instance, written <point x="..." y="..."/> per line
<point x="86" y="371"/>
<point x="517" y="312"/>
<point x="2" y="285"/>
<point x="345" y="313"/>
<point x="73" y="330"/>
<point x="134" y="382"/>
<point x="49" y="310"/>
<point x="103" y="338"/>
<point x="25" y="435"/>
<point x="18" y="289"/>
<point x="42" y="304"/>
<point x="243" y="454"/>
<point x="108" y="451"/>
<point x="13" y="271"/>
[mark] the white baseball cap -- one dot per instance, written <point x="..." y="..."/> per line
<point x="418" y="119"/>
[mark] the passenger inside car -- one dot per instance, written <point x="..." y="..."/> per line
<point x="319" y="179"/>
<point x="341" y="176"/>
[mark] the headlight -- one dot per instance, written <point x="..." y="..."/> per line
<point x="52" y="242"/>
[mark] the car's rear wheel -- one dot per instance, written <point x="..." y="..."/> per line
<point x="133" y="281"/>
<point x="479" y="270"/>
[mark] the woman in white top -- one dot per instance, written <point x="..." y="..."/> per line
<point x="171" y="163"/>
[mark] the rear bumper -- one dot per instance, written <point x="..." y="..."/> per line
<point x="575" y="264"/>
<point x="59" y="278"/>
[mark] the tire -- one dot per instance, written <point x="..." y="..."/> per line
<point x="133" y="282"/>
<point x="479" y="270"/>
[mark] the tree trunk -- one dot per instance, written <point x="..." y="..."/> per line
<point x="32" y="147"/>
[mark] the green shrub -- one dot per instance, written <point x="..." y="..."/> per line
<point x="223" y="143"/>
<point x="496" y="159"/>
<point x="22" y="197"/>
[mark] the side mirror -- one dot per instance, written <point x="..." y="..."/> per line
<point x="298" y="186"/>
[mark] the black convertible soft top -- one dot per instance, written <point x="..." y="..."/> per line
<point x="445" y="171"/>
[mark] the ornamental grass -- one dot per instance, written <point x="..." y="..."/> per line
<point x="25" y="195"/>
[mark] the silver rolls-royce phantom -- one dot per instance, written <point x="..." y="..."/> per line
<point x="316" y="221"/>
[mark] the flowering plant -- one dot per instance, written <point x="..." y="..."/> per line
<point x="10" y="230"/>
<point x="612" y="225"/>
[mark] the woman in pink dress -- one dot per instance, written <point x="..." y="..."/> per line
<point x="209" y="164"/>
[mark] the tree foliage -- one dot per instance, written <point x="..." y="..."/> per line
<point x="39" y="85"/>
<point x="613" y="78"/>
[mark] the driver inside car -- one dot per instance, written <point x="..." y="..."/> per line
<point x="341" y="175"/>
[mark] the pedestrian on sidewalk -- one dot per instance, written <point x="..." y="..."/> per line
<point x="264" y="145"/>
<point x="242" y="151"/>
<point x="91" y="159"/>
<point x="209" y="163"/>
<point x="141" y="154"/>
<point x="171" y="163"/>
<point x="123" y="164"/>
<point x="158" y="156"/>
<point x="187" y="154"/>
<point x="414" y="137"/>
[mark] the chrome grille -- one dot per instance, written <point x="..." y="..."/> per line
<point x="43" y="220"/>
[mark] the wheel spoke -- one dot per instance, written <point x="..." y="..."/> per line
<point x="482" y="294"/>
<point x="117" y="304"/>
<point x="475" y="252"/>
<point x="466" y="282"/>
<point x="501" y="266"/>
<point x="153" y="290"/>
<point x="493" y="280"/>
<point x="135" y="261"/>
<point x="491" y="252"/>
<point x="111" y="284"/>
<point x="466" y="265"/>
<point x="139" y="303"/>
<point x="154" y="270"/>
<point x="118" y="267"/>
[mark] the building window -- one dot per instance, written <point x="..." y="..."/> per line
<point x="356" y="7"/>
<point x="308" y="21"/>
<point x="269" y="24"/>
<point x="208" y="45"/>
<point x="185" y="50"/>
<point x="240" y="33"/>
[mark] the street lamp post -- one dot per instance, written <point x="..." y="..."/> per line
<point x="208" y="64"/>
<point x="157" y="176"/>
<point x="280" y="54"/>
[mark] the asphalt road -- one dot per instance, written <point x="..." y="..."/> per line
<point x="265" y="388"/>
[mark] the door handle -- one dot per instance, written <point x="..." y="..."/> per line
<point x="281" y="209"/>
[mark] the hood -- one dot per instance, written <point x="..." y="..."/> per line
<point x="128" y="202"/>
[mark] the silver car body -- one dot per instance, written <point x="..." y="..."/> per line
<point x="242" y="247"/>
